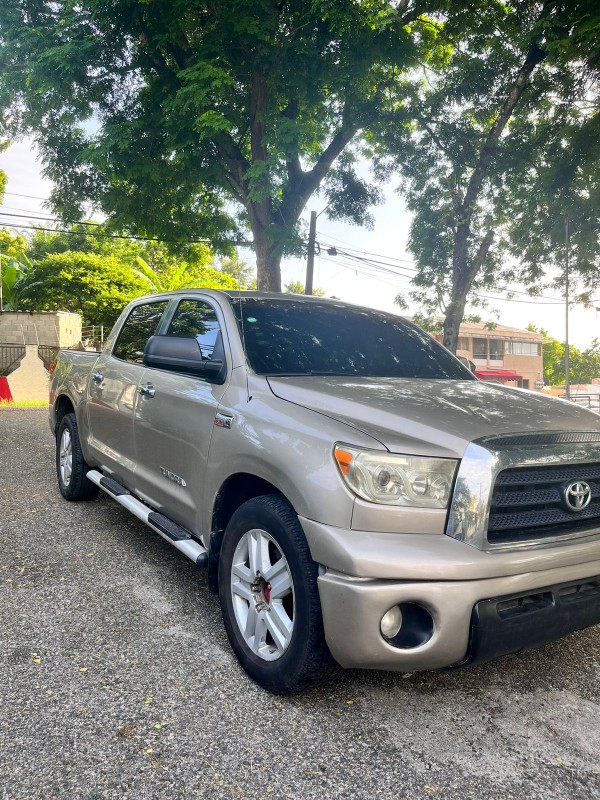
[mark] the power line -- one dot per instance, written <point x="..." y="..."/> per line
<point x="536" y="299"/>
<point x="28" y="196"/>
<point x="399" y="275"/>
<point x="47" y="219"/>
<point x="370" y="253"/>
<point x="359" y="271"/>
<point x="101" y="235"/>
<point x="33" y="214"/>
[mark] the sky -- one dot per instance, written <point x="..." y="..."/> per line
<point x="386" y="242"/>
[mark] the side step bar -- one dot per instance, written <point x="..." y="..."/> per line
<point x="169" y="530"/>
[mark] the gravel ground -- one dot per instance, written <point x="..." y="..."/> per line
<point x="117" y="681"/>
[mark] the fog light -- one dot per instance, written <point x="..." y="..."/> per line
<point x="391" y="622"/>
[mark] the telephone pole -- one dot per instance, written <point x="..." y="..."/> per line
<point x="310" y="261"/>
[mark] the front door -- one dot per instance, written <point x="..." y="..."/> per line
<point x="113" y="392"/>
<point x="174" y="420"/>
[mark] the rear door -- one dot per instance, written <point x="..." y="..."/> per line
<point x="175" y="418"/>
<point x="113" y="391"/>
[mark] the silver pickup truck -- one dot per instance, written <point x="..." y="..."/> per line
<point x="357" y="496"/>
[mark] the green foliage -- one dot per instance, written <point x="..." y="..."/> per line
<point x="14" y="268"/>
<point x="432" y="325"/>
<point x="498" y="139"/>
<point x="95" y="286"/>
<point x="297" y="287"/>
<point x="240" y="270"/>
<point x="584" y="365"/>
<point x="101" y="240"/>
<point x="183" y="276"/>
<point x="103" y="274"/>
<point x="164" y="113"/>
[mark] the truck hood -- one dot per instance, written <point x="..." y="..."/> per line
<point x="429" y="417"/>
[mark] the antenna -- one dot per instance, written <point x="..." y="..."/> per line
<point x="243" y="332"/>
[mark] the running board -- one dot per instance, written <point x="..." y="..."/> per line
<point x="171" y="532"/>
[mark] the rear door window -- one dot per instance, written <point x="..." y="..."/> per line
<point x="140" y="325"/>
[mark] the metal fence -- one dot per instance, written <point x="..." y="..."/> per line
<point x="11" y="356"/>
<point x="591" y="401"/>
<point x="92" y="337"/>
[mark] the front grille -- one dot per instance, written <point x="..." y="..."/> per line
<point x="527" y="503"/>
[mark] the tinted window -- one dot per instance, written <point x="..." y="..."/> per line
<point x="479" y="348"/>
<point x="289" y="337"/>
<point x="197" y="319"/>
<point x="139" y="326"/>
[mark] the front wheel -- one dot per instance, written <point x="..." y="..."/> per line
<point x="71" y="467"/>
<point x="269" y="598"/>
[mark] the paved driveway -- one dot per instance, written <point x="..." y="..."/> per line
<point x="116" y="681"/>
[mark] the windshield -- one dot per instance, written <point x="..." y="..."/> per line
<point x="304" y="337"/>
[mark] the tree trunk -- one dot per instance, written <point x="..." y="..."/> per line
<point x="268" y="258"/>
<point x="464" y="271"/>
<point x="465" y="267"/>
<point x="454" y="316"/>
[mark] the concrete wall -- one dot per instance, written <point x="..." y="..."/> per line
<point x="55" y="329"/>
<point x="30" y="381"/>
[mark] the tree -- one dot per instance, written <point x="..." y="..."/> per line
<point x="99" y="239"/>
<point x="240" y="270"/>
<point x="470" y="131"/>
<point x="182" y="277"/>
<point x="99" y="281"/>
<point x="584" y="365"/>
<point x="95" y="286"/>
<point x="162" y="113"/>
<point x="297" y="287"/>
<point x="14" y="267"/>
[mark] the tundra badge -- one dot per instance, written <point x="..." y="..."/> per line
<point x="171" y="476"/>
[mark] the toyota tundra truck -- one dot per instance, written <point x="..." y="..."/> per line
<point x="357" y="496"/>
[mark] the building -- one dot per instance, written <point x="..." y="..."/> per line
<point x="504" y="355"/>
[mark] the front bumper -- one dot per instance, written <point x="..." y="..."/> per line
<point x="472" y="620"/>
<point x="364" y="574"/>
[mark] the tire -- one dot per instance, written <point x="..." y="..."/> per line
<point x="71" y="468"/>
<point x="270" y="599"/>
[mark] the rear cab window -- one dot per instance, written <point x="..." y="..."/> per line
<point x="140" y="325"/>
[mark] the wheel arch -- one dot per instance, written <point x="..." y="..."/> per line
<point x="63" y="405"/>
<point x="235" y="490"/>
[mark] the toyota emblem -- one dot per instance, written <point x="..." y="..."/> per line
<point x="577" y="495"/>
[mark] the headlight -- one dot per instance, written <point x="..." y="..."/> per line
<point x="395" y="480"/>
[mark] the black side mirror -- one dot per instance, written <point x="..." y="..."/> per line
<point x="182" y="354"/>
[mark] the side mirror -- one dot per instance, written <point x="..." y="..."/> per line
<point x="182" y="354"/>
<point x="466" y="362"/>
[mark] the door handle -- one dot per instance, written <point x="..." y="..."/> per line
<point x="147" y="390"/>
<point x="98" y="377"/>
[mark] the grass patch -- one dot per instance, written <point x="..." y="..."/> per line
<point x="24" y="404"/>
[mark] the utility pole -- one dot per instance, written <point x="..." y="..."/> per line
<point x="310" y="261"/>
<point x="567" y="366"/>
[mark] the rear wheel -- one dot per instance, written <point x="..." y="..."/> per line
<point x="270" y="600"/>
<point x="71" y="467"/>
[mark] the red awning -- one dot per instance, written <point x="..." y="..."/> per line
<point x="503" y="374"/>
